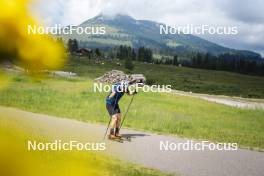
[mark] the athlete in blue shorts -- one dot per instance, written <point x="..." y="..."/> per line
<point x="118" y="90"/>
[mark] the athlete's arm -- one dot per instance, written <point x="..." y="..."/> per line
<point x="112" y="95"/>
<point x="131" y="92"/>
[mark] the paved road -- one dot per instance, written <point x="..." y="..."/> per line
<point x="144" y="148"/>
<point x="247" y="103"/>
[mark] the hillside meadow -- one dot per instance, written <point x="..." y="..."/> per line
<point x="155" y="112"/>
<point x="181" y="78"/>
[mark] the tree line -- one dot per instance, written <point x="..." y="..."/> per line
<point x="142" y="54"/>
<point x="232" y="62"/>
<point x="129" y="54"/>
<point x="228" y="62"/>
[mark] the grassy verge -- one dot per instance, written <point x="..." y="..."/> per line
<point x="161" y="113"/>
<point x="17" y="160"/>
<point x="181" y="78"/>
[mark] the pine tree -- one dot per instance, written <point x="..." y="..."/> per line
<point x="129" y="64"/>
<point x="133" y="54"/>
<point x="69" y="45"/>
<point x="75" y="46"/>
<point x="141" y="53"/>
<point x="72" y="45"/>
<point x="175" y="60"/>
<point x="97" y="52"/>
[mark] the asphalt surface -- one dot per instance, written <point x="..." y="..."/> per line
<point x="238" y="102"/>
<point x="144" y="148"/>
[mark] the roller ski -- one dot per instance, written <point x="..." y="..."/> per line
<point x="119" y="138"/>
<point x="126" y="138"/>
<point x="115" y="138"/>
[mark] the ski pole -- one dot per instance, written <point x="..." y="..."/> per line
<point x="127" y="111"/>
<point x="107" y="127"/>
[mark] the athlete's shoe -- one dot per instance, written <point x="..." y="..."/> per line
<point x="113" y="137"/>
<point x="118" y="135"/>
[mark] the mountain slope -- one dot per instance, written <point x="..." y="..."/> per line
<point x="125" y="30"/>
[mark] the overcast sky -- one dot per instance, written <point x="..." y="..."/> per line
<point x="247" y="15"/>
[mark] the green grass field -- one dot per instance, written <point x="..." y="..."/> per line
<point x="17" y="160"/>
<point x="181" y="78"/>
<point x="160" y="113"/>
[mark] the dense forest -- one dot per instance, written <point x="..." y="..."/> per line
<point x="232" y="62"/>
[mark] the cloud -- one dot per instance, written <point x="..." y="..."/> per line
<point x="49" y="11"/>
<point x="246" y="11"/>
<point x="245" y="14"/>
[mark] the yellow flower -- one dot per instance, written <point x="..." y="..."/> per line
<point x="35" y="52"/>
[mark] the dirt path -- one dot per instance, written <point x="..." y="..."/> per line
<point x="144" y="148"/>
<point x="227" y="100"/>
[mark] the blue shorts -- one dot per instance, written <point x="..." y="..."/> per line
<point x="112" y="110"/>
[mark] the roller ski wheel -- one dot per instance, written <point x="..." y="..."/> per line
<point x="115" y="138"/>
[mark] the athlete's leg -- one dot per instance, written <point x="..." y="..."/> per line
<point x="113" y="124"/>
<point x="118" y="123"/>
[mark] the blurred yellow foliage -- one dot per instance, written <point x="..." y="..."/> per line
<point x="35" y="52"/>
<point x="16" y="160"/>
<point x="3" y="81"/>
